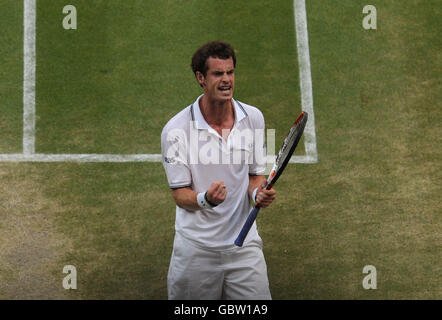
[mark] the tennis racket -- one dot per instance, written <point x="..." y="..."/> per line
<point x="284" y="155"/>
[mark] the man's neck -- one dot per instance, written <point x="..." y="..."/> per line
<point x="218" y="114"/>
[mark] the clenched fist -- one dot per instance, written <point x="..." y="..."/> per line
<point x="217" y="192"/>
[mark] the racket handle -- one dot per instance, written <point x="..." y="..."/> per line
<point x="246" y="227"/>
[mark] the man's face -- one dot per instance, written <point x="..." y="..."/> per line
<point x="219" y="81"/>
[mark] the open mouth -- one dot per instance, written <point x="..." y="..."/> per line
<point x="225" y="88"/>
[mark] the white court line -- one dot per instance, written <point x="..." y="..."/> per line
<point x="29" y="154"/>
<point x="89" y="157"/>
<point x="29" y="17"/>
<point x="305" y="78"/>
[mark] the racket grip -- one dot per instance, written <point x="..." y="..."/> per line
<point x="246" y="227"/>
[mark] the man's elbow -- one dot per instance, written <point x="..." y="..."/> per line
<point x="180" y="200"/>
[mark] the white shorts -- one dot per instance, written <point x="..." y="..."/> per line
<point x="236" y="273"/>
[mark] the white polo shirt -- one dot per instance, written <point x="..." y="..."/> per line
<point x="195" y="155"/>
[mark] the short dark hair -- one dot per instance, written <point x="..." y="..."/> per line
<point x="214" y="49"/>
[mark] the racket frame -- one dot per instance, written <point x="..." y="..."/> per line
<point x="275" y="173"/>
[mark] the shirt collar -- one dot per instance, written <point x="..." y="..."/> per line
<point x="201" y="123"/>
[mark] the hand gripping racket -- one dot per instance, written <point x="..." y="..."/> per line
<point x="284" y="155"/>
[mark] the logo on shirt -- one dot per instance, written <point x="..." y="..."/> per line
<point x="169" y="160"/>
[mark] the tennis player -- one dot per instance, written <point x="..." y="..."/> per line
<point x="213" y="153"/>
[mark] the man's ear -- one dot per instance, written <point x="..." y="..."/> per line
<point x="200" y="78"/>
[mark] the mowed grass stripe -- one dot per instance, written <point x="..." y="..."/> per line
<point x="119" y="220"/>
<point x="373" y="198"/>
<point x="11" y="76"/>
<point x="112" y="84"/>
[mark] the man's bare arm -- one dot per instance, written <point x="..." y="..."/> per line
<point x="186" y="198"/>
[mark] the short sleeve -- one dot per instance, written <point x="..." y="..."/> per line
<point x="258" y="164"/>
<point x="174" y="158"/>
